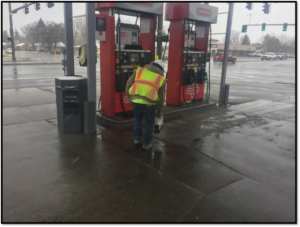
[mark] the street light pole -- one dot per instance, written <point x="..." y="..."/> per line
<point x="11" y="33"/>
<point x="226" y="47"/>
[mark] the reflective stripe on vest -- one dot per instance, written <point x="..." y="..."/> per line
<point x="140" y="72"/>
<point x="147" y="84"/>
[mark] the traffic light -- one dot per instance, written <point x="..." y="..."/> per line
<point x="249" y="5"/>
<point x="244" y="28"/>
<point x="284" y="27"/>
<point x="49" y="4"/>
<point x="266" y="8"/>
<point x="26" y="9"/>
<point x="37" y="6"/>
<point x="263" y="28"/>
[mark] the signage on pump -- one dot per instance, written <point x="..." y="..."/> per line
<point x="191" y="90"/>
<point x="204" y="12"/>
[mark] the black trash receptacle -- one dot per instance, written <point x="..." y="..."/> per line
<point x="71" y="92"/>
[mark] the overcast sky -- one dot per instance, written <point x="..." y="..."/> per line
<point x="280" y="13"/>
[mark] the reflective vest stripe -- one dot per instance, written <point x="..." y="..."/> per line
<point x="133" y="90"/>
<point x="147" y="83"/>
<point x="160" y="78"/>
<point x="156" y="79"/>
<point x="140" y="72"/>
<point x="144" y="85"/>
<point x="151" y="94"/>
<point x="137" y="73"/>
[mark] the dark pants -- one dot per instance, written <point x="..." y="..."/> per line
<point x="141" y="111"/>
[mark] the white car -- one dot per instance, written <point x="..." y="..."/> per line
<point x="8" y="51"/>
<point x="258" y="55"/>
<point x="252" y="55"/>
<point x="269" y="56"/>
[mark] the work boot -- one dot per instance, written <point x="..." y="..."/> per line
<point x="137" y="143"/>
<point x="147" y="147"/>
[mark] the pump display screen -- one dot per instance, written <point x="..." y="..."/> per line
<point x="129" y="34"/>
<point x="134" y="59"/>
<point x="189" y="40"/>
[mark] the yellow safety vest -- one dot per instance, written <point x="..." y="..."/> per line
<point x="146" y="84"/>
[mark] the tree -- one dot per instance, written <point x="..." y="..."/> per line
<point x="234" y="37"/>
<point x="17" y="35"/>
<point x="4" y="36"/>
<point x="40" y="29"/>
<point x="59" y="33"/>
<point x="31" y="34"/>
<point x="79" y="30"/>
<point x="284" y="39"/>
<point x="51" y="34"/>
<point x="271" y="43"/>
<point x="245" y="40"/>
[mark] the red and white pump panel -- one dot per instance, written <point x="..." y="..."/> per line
<point x="147" y="7"/>
<point x="193" y="11"/>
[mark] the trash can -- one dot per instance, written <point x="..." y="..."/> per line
<point x="71" y="92"/>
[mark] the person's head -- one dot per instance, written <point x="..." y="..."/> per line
<point x="159" y="64"/>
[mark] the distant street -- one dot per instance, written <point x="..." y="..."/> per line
<point x="249" y="79"/>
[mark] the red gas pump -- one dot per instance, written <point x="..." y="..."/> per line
<point x="123" y="49"/>
<point x="188" y="44"/>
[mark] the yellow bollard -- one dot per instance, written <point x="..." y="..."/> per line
<point x="55" y="56"/>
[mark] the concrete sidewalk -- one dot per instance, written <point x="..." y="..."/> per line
<point x="221" y="165"/>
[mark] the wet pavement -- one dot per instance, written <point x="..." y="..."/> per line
<point x="218" y="165"/>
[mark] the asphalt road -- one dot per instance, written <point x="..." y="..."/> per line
<point x="249" y="79"/>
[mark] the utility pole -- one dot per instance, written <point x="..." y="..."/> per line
<point x="11" y="33"/>
<point x="69" y="39"/>
<point x="159" y="36"/>
<point x="226" y="47"/>
<point x="90" y="104"/>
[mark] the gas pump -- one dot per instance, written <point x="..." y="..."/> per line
<point x="124" y="48"/>
<point x="188" y="44"/>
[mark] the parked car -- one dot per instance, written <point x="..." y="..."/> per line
<point x="166" y="55"/>
<point x="219" y="57"/>
<point x="269" y="56"/>
<point x="54" y="51"/>
<point x="8" y="51"/>
<point x="252" y="54"/>
<point x="258" y="55"/>
<point x="281" y="56"/>
<point x="41" y="50"/>
<point x="290" y="56"/>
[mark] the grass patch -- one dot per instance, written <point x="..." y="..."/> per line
<point x="10" y="57"/>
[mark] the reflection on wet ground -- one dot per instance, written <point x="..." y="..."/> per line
<point x="219" y="165"/>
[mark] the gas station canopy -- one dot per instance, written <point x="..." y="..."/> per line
<point x="133" y="8"/>
<point x="192" y="11"/>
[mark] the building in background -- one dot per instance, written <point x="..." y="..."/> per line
<point x="59" y="47"/>
<point x="214" y="45"/>
<point x="22" y="47"/>
<point x="259" y="47"/>
<point x="237" y="50"/>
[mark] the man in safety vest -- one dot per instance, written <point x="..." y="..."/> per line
<point x="146" y="90"/>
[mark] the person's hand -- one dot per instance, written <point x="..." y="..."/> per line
<point x="159" y="115"/>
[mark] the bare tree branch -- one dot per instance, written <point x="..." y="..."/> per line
<point x="30" y="33"/>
